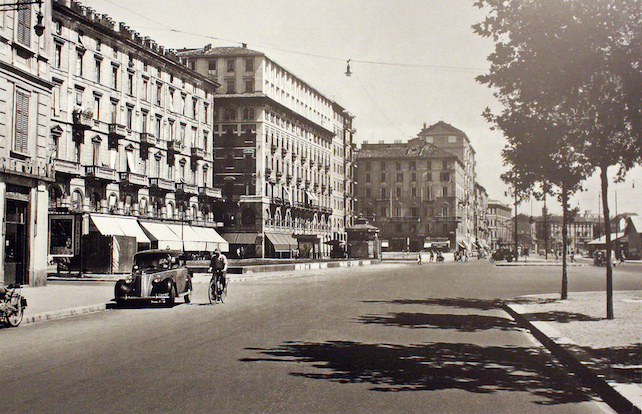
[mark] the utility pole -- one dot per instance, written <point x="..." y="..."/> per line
<point x="544" y="212"/>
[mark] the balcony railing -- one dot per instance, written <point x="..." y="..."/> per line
<point x="148" y="139"/>
<point x="162" y="184"/>
<point x="211" y="192"/>
<point x="135" y="179"/>
<point x="117" y="131"/>
<point x="186" y="188"/>
<point x="67" y="167"/>
<point x="82" y="119"/>
<point x="174" y="146"/>
<point x="99" y="172"/>
<point x="198" y="153"/>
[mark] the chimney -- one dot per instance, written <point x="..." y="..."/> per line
<point x="207" y="47"/>
<point x="425" y="125"/>
<point x="244" y="45"/>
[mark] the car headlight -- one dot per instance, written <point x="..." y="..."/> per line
<point x="129" y="279"/>
<point x="157" y="279"/>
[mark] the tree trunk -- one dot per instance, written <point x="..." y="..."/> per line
<point x="564" y="238"/>
<point x="607" y="231"/>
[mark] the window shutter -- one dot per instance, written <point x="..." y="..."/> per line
<point x="24" y="24"/>
<point x="22" y="122"/>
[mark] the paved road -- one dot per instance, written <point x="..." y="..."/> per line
<point x="365" y="340"/>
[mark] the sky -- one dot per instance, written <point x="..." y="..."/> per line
<point x="413" y="62"/>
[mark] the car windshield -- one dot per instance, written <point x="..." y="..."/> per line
<point x="152" y="262"/>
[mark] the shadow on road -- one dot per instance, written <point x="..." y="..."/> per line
<point x="462" y="303"/>
<point x="430" y="367"/>
<point x="462" y="323"/>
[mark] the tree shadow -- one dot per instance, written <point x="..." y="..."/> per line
<point x="462" y="323"/>
<point x="622" y="364"/>
<point x="462" y="303"/>
<point x="430" y="367"/>
<point x="558" y="316"/>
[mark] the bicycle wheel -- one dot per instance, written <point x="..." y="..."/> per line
<point x="14" y="318"/>
<point x="211" y="291"/>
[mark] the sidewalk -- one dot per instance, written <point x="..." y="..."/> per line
<point x="606" y="354"/>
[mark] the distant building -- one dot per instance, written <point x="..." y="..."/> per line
<point x="283" y="156"/>
<point x="581" y="230"/>
<point x="499" y="223"/>
<point x="419" y="194"/>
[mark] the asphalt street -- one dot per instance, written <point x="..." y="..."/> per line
<point x="379" y="339"/>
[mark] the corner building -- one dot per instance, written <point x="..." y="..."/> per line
<point x="25" y="169"/>
<point x="130" y="138"/>
<point x="283" y="156"/>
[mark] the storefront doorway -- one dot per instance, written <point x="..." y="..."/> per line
<point x="16" y="251"/>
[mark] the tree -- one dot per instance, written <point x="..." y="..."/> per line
<point x="577" y="65"/>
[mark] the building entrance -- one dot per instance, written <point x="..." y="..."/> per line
<point x="16" y="247"/>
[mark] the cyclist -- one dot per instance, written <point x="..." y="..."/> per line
<point x="218" y="267"/>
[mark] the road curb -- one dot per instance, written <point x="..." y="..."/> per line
<point x="544" y="333"/>
<point x="64" y="313"/>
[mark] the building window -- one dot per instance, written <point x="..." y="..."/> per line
<point x="58" y="56"/>
<point x="114" y="112"/>
<point x="383" y="177"/>
<point x="130" y="117"/>
<point x="159" y="127"/>
<point x="249" y="64"/>
<point x="97" y="70"/>
<point x="229" y="114"/>
<point x="398" y="191"/>
<point x="97" y="107"/>
<point x="230" y="65"/>
<point x="444" y="165"/>
<point x="21" y="142"/>
<point x="383" y="193"/>
<point x="248" y="114"/>
<point x="429" y="177"/>
<point x="130" y="83"/>
<point x="383" y="165"/>
<point x="367" y="177"/>
<point x="249" y="85"/>
<point x="114" y="77"/>
<point x="413" y="165"/>
<point x="368" y="192"/>
<point x="211" y="66"/>
<point x="159" y="94"/>
<point x="194" y="107"/>
<point x="445" y="192"/>
<point x="144" y="116"/>
<point x="230" y="86"/>
<point x="79" y="63"/>
<point x="413" y="177"/>
<point x="24" y="24"/>
<point x="145" y="87"/>
<point x="399" y="177"/>
<point x="58" y="27"/>
<point x="444" y="176"/>
<point x="413" y="191"/>
<point x="398" y="166"/>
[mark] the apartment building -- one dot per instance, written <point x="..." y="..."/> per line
<point x="131" y="137"/>
<point x="282" y="156"/>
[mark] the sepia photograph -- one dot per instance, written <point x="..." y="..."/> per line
<point x="401" y="206"/>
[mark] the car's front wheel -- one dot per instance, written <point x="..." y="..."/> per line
<point x="171" y="300"/>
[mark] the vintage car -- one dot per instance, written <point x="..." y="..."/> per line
<point x="503" y="252"/>
<point x="157" y="275"/>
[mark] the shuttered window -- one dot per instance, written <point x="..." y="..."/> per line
<point x="24" y="24"/>
<point x="22" y="122"/>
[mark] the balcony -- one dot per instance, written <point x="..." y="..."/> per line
<point x="187" y="189"/>
<point x="117" y="131"/>
<point x="67" y="167"/>
<point x="273" y="149"/>
<point x="174" y="146"/>
<point x="161" y="184"/>
<point x="133" y="179"/>
<point x="210" y="192"/>
<point x="327" y="168"/>
<point x="148" y="139"/>
<point x="98" y="172"/>
<point x="197" y="153"/>
<point x="284" y="152"/>
<point x="294" y="156"/>
<point x="82" y="119"/>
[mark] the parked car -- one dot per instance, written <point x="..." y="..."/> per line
<point x="503" y="253"/>
<point x="157" y="275"/>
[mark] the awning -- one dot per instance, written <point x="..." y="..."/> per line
<point x="602" y="240"/>
<point x="311" y="196"/>
<point x="161" y="233"/>
<point x="241" y="238"/>
<point x="282" y="242"/>
<point x="462" y="245"/>
<point x="427" y="245"/>
<point x="384" y="243"/>
<point x="109" y="225"/>
<point x="199" y="239"/>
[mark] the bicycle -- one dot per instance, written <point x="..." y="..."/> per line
<point x="217" y="290"/>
